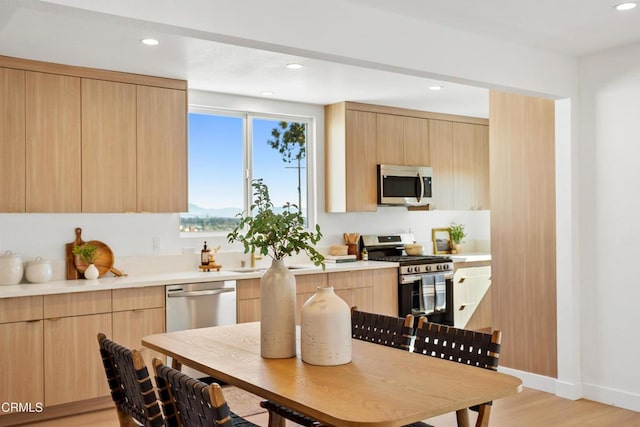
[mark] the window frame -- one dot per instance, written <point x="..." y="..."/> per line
<point x="247" y="136"/>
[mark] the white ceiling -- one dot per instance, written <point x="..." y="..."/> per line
<point x="574" y="27"/>
<point x="39" y="30"/>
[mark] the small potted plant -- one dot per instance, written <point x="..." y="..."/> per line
<point x="277" y="233"/>
<point x="457" y="234"/>
<point x="88" y="254"/>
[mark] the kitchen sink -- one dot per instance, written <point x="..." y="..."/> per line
<point x="258" y="269"/>
<point x="245" y="269"/>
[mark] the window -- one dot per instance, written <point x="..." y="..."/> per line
<point x="228" y="150"/>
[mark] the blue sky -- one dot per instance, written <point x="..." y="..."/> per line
<point x="215" y="162"/>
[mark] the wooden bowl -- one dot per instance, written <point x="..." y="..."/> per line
<point x="338" y="250"/>
<point x="414" y="249"/>
<point x="104" y="259"/>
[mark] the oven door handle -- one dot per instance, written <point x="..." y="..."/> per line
<point x="405" y="279"/>
<point x="411" y="278"/>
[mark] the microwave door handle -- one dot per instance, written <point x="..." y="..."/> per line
<point x="421" y="187"/>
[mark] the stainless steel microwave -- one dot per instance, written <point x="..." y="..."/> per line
<point x="404" y="185"/>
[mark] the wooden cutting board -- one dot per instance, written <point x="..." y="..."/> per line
<point x="72" y="271"/>
<point x="104" y="258"/>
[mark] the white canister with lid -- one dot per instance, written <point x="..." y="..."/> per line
<point x="39" y="271"/>
<point x="11" y="268"/>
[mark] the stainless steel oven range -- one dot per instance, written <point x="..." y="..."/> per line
<point x="425" y="282"/>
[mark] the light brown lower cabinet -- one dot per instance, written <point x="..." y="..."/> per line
<point x="22" y="353"/>
<point x="129" y="327"/>
<point x="51" y="344"/>
<point x="369" y="290"/>
<point x="73" y="368"/>
<point x="248" y="300"/>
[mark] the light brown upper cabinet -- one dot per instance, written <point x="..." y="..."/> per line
<point x="389" y="139"/>
<point x="416" y="141"/>
<point x="350" y="160"/>
<point x="75" y="139"/>
<point x="108" y="146"/>
<point x="52" y="143"/>
<point x="402" y="140"/>
<point x="361" y="136"/>
<point x="12" y="143"/>
<point x="470" y="166"/>
<point x="460" y="162"/>
<point x="441" y="150"/>
<point x="161" y="150"/>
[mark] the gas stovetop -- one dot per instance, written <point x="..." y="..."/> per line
<point x="411" y="260"/>
<point x="390" y="248"/>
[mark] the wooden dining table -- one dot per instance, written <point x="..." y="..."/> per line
<point x="381" y="386"/>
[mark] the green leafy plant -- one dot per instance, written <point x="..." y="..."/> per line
<point x="86" y="252"/>
<point x="275" y="234"/>
<point x="457" y="232"/>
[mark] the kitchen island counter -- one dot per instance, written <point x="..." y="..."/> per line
<point x="155" y="279"/>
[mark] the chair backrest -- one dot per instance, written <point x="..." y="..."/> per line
<point x="130" y="384"/>
<point x="460" y="345"/>
<point x="380" y="329"/>
<point x="189" y="402"/>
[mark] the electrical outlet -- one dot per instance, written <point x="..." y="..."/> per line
<point x="156" y="243"/>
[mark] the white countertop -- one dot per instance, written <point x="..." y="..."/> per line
<point x="143" y="280"/>
<point x="471" y="257"/>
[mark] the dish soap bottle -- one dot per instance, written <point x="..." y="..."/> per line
<point x="204" y="255"/>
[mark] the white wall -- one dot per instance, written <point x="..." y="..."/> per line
<point x="609" y="175"/>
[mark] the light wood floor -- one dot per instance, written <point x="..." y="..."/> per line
<point x="527" y="409"/>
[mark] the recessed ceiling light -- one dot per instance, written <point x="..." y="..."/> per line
<point x="435" y="87"/>
<point x="150" y="42"/>
<point x="294" y="66"/>
<point x="625" y="6"/>
<point x="266" y="93"/>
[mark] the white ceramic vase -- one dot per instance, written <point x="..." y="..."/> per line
<point x="278" y="312"/>
<point x="325" y="336"/>
<point x="91" y="272"/>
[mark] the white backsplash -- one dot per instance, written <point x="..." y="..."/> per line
<point x="151" y="242"/>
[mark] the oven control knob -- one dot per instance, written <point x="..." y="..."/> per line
<point x="445" y="267"/>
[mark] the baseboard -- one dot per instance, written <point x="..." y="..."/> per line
<point x="613" y="397"/>
<point x="569" y="390"/>
<point x="573" y="391"/>
<point x="534" y="381"/>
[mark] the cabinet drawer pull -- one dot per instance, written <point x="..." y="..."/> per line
<point x="462" y="279"/>
<point x="54" y="318"/>
<point x="33" y="320"/>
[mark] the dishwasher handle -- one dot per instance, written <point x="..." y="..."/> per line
<point x="200" y="293"/>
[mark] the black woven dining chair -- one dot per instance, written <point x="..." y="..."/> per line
<point x="376" y="328"/>
<point x="463" y="346"/>
<point x="188" y="402"/>
<point x="130" y="385"/>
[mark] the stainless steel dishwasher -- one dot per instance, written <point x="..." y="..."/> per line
<point x="200" y="305"/>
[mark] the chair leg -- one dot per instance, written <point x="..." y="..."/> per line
<point x="462" y="415"/>
<point x="276" y="420"/>
<point x="125" y="419"/>
<point x="484" y="411"/>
